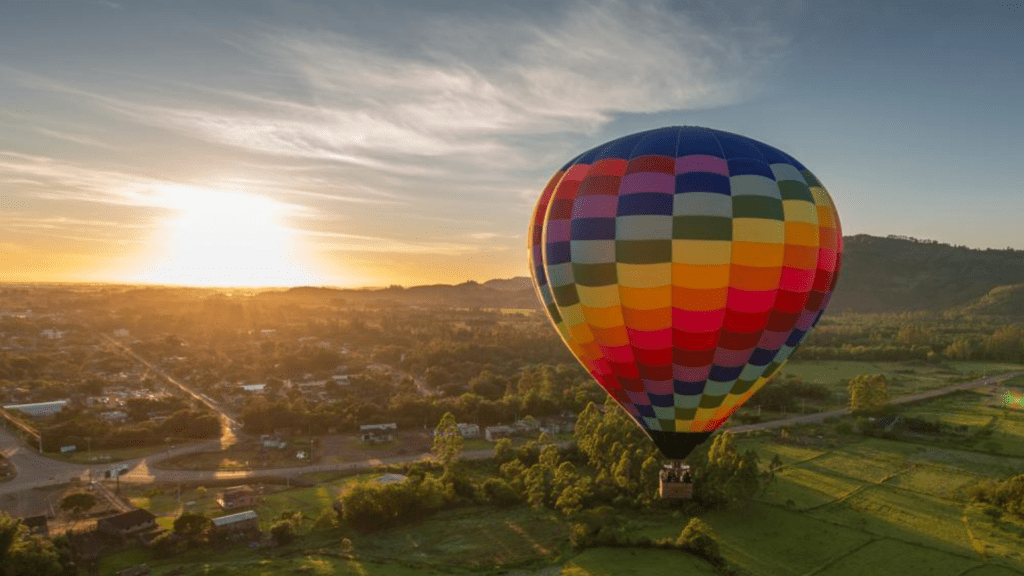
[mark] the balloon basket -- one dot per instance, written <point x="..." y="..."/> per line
<point x="675" y="482"/>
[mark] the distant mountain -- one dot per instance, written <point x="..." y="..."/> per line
<point x="889" y="274"/>
<point x="511" y="285"/>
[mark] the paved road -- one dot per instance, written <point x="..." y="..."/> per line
<point x="37" y="471"/>
<point x="229" y="426"/>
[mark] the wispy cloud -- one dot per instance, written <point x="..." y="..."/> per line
<point x="76" y="138"/>
<point x="341" y="242"/>
<point x="471" y="85"/>
<point x="75" y="229"/>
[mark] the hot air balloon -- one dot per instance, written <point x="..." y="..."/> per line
<point x="682" y="266"/>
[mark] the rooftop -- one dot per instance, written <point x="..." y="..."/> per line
<point x="234" y="518"/>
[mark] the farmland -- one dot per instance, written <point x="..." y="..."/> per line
<point x="840" y="504"/>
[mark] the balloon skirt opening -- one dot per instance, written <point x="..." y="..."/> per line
<point x="677" y="445"/>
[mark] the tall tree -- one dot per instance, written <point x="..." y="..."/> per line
<point x="868" y="392"/>
<point x="447" y="441"/>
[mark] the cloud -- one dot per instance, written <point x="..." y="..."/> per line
<point x="77" y="138"/>
<point x="76" y="229"/>
<point x="341" y="242"/>
<point x="468" y="87"/>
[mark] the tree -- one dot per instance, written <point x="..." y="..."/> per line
<point x="698" y="538"/>
<point x="78" y="502"/>
<point x="192" y="527"/>
<point x="25" y="554"/>
<point x="503" y="450"/>
<point x="283" y="532"/>
<point x="868" y="392"/>
<point x="726" y="476"/>
<point x="447" y="441"/>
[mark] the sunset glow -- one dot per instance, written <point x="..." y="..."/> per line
<point x="219" y="238"/>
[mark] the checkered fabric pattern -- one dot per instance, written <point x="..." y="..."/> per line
<point x="683" y="266"/>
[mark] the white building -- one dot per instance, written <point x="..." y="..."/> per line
<point x="39" y="409"/>
<point x="469" y="430"/>
<point x="493" y="433"/>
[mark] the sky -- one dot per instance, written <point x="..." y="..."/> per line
<point x="282" y="143"/>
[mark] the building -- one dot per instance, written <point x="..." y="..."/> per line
<point x="550" y="428"/>
<point x="469" y="430"/>
<point x="127" y="523"/>
<point x="39" y="409"/>
<point x="241" y="523"/>
<point x="392" y="478"/>
<point x="114" y="416"/>
<point x="493" y="433"/>
<point x="376" y="433"/>
<point x="237" y="497"/>
<point x="37" y="525"/>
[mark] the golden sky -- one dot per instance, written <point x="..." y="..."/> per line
<point x="320" y="143"/>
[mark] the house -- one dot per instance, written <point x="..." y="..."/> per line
<point x="36" y="525"/>
<point x="241" y="523"/>
<point x="270" y="441"/>
<point x="392" y="478"/>
<point x="127" y="523"/>
<point x="237" y="497"/>
<point x="375" y="433"/>
<point x="39" y="409"/>
<point x="493" y="433"/>
<point x="469" y="430"/>
<point x="253" y="387"/>
<point x="114" y="416"/>
<point x="551" y="428"/>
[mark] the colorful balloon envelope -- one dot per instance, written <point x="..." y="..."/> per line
<point x="683" y="266"/>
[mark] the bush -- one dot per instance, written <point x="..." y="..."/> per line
<point x="500" y="493"/>
<point x="283" y="532"/>
<point x="698" y="539"/>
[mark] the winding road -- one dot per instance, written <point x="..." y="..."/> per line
<point x="35" y="471"/>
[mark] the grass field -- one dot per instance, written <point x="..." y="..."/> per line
<point x="632" y="562"/>
<point x="842" y="506"/>
<point x="765" y="540"/>
<point x="888" y="556"/>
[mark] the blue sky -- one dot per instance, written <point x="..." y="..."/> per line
<point x="333" y="143"/>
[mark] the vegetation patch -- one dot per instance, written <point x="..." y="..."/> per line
<point x="938" y="481"/>
<point x="470" y="538"/>
<point x="633" y="562"/>
<point x="766" y="540"/>
<point x="892" y="557"/>
<point x="902" y="515"/>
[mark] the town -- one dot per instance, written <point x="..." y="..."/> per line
<point x="143" y="422"/>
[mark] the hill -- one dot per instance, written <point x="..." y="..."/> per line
<point x="898" y="273"/>
<point x="1000" y="301"/>
<point x="891" y="274"/>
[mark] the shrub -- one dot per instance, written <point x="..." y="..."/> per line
<point x="698" y="539"/>
<point x="283" y="532"/>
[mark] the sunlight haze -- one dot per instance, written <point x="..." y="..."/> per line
<point x="290" y="143"/>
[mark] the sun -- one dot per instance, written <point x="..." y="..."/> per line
<point x="225" y="238"/>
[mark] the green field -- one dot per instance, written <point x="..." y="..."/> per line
<point x="838" y="506"/>
<point x="631" y="562"/>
